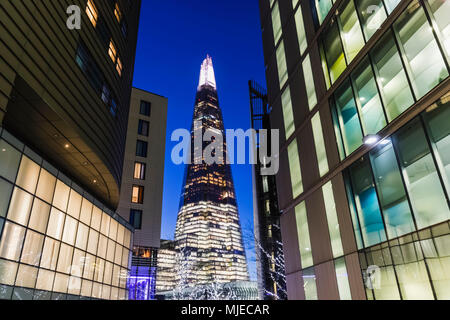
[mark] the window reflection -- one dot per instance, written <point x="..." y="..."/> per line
<point x="422" y="181"/>
<point x="425" y="61"/>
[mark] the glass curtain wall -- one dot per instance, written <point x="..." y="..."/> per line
<point x="405" y="65"/>
<point x="402" y="185"/>
<point x="53" y="239"/>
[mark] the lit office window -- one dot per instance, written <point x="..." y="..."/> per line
<point x="32" y="248"/>
<point x="395" y="91"/>
<point x="288" y="115"/>
<point x="440" y="10"/>
<point x="422" y="180"/>
<point x="92" y="12"/>
<point x="322" y="9"/>
<point x="137" y="195"/>
<point x="351" y="33"/>
<point x="141" y="149"/>
<point x="117" y="12"/>
<point x="139" y="170"/>
<point x="347" y="116"/>
<point x="309" y="82"/>
<point x="391" y="191"/>
<point x="112" y="51"/>
<point x="332" y="219"/>
<point x="301" y="35"/>
<point x="353" y="211"/>
<point x="365" y="198"/>
<point x="304" y="242"/>
<point x="319" y="144"/>
<point x="369" y="101"/>
<point x="276" y="23"/>
<point x="145" y="108"/>
<point x="372" y="15"/>
<point x="426" y="64"/>
<point x="11" y="241"/>
<point x="334" y="53"/>
<point x="119" y="67"/>
<point x="9" y="271"/>
<point x="143" y="127"/>
<point x="294" y="168"/>
<point x="342" y="279"/>
<point x="136" y="219"/>
<point x="438" y="126"/>
<point x="282" y="65"/>
<point x="28" y="174"/>
<point x="20" y="206"/>
<point x="309" y="284"/>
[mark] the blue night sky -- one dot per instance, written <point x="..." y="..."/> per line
<point x="174" y="38"/>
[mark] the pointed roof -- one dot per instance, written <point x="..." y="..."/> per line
<point x="207" y="76"/>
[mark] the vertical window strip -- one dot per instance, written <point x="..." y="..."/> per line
<point x="304" y="242"/>
<point x="301" y="35"/>
<point x="319" y="144"/>
<point x="333" y="222"/>
<point x="281" y="64"/>
<point x="295" y="170"/>
<point x="309" y="82"/>
<point x="288" y="115"/>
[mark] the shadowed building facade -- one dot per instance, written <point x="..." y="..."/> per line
<point x="208" y="231"/>
<point x="360" y="92"/>
<point x="64" y="97"/>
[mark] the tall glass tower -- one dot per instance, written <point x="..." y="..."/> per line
<point x="208" y="231"/>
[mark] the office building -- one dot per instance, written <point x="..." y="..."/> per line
<point x="166" y="267"/>
<point x="142" y="186"/>
<point x="64" y="97"/>
<point x="208" y="233"/>
<point x="270" y="263"/>
<point x="360" y="92"/>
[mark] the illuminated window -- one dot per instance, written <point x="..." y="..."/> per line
<point x="92" y="12"/>
<point x="137" y="195"/>
<point x="309" y="82"/>
<point x="141" y="149"/>
<point x="112" y="51"/>
<point x="320" y="144"/>
<point x="276" y="23"/>
<point x="119" y="66"/>
<point x="118" y="13"/>
<point x="294" y="168"/>
<point x="288" y="115"/>
<point x="139" y="171"/>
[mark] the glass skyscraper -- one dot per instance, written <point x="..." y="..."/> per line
<point x="360" y="92"/>
<point x="208" y="232"/>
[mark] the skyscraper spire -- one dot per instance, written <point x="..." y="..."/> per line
<point x="207" y="76"/>
<point x="208" y="231"/>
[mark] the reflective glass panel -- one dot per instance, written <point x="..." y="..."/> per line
<point x="371" y="110"/>
<point x="395" y="90"/>
<point x="425" y="62"/>
<point x="422" y="181"/>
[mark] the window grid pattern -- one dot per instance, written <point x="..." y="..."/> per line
<point x="389" y="80"/>
<point x="53" y="239"/>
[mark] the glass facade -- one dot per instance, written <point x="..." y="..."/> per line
<point x="401" y="185"/>
<point x="54" y="236"/>
<point x="295" y="170"/>
<point x="398" y="191"/>
<point x="413" y="267"/>
<point x="303" y="235"/>
<point x="404" y="66"/>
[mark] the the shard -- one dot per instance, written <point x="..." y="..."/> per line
<point x="208" y="232"/>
